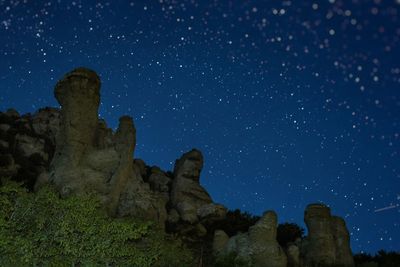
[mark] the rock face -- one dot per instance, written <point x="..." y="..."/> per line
<point x="258" y="246"/>
<point x="27" y="143"/>
<point x="329" y="233"/>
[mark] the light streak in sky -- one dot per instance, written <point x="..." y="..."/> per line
<point x="392" y="206"/>
<point x="387" y="208"/>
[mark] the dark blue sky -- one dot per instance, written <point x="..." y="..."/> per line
<point x="291" y="102"/>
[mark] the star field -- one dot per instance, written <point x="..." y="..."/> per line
<point x="291" y="102"/>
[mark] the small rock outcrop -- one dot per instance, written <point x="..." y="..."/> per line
<point x="327" y="232"/>
<point x="258" y="246"/>
<point x="192" y="207"/>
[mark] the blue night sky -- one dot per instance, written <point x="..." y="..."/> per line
<point x="291" y="102"/>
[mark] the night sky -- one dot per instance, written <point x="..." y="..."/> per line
<point x="291" y="102"/>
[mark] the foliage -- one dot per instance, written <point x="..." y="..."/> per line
<point x="288" y="232"/>
<point x="381" y="259"/>
<point x="231" y="260"/>
<point x="44" y="230"/>
<point x="236" y="221"/>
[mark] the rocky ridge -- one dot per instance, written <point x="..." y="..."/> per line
<point x="76" y="151"/>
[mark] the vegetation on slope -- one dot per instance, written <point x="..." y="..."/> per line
<point x="42" y="229"/>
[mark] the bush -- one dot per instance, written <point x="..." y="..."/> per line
<point x="236" y="221"/>
<point x="44" y="230"/>
<point x="381" y="259"/>
<point x="288" y="232"/>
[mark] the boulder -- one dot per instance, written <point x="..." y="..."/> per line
<point x="219" y="241"/>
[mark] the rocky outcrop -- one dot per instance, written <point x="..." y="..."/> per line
<point x="258" y="246"/>
<point x="327" y="243"/>
<point x="27" y="143"/>
<point x="189" y="200"/>
<point x="187" y="195"/>
<point x="75" y="150"/>
<point x="89" y="157"/>
<point x="329" y="233"/>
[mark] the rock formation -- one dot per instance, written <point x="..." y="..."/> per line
<point x="192" y="207"/>
<point x="329" y="233"/>
<point x="258" y="246"/>
<point x="27" y="143"/>
<point x="89" y="157"/>
<point x="75" y="150"/>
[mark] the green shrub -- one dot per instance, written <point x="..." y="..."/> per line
<point x="288" y="232"/>
<point x="44" y="230"/>
<point x="235" y="222"/>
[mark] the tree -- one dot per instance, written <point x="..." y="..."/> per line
<point x="288" y="232"/>
<point x="235" y="221"/>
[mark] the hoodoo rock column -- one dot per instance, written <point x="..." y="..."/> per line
<point x="79" y="96"/>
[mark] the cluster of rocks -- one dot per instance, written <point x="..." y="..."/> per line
<point x="327" y="243"/>
<point x="27" y="143"/>
<point x="76" y="151"/>
<point x="73" y="149"/>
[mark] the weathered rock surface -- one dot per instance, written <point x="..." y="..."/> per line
<point x="293" y="255"/>
<point x="344" y="256"/>
<point x="27" y="143"/>
<point x="192" y="202"/>
<point x="258" y="246"/>
<point x="219" y="241"/>
<point x="327" y="243"/>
